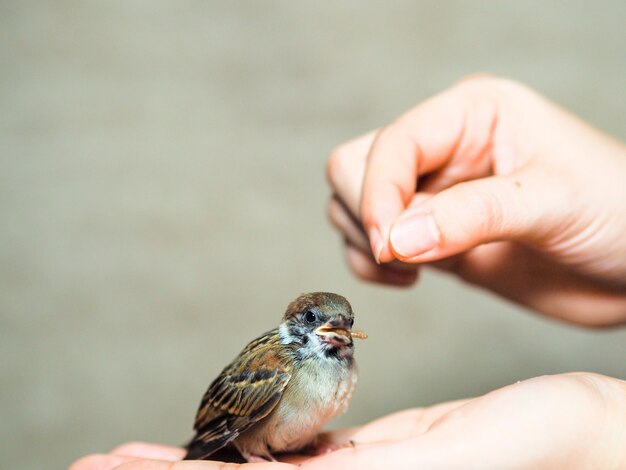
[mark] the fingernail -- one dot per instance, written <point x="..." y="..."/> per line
<point x="376" y="241"/>
<point x="414" y="234"/>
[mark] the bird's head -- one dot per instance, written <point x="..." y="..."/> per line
<point x="320" y="323"/>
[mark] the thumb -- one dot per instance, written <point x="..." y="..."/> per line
<point x="523" y="206"/>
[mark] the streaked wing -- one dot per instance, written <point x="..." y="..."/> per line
<point x="245" y="392"/>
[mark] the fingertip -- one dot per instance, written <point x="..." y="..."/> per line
<point x="399" y="278"/>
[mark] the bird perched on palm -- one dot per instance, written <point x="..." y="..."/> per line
<point x="284" y="386"/>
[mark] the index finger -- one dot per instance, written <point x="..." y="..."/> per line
<point x="346" y="168"/>
<point x="419" y="142"/>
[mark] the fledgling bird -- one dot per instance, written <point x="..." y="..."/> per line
<point x="284" y="386"/>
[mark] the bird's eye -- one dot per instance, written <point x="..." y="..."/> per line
<point x="310" y="316"/>
<point x="351" y="322"/>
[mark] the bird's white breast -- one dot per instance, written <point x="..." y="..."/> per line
<point x="319" y="389"/>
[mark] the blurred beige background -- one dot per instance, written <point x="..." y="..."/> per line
<point x="162" y="197"/>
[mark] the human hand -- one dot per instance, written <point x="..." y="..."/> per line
<point x="573" y="421"/>
<point x="563" y="421"/>
<point x="494" y="183"/>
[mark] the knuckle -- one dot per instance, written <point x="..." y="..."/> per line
<point x="393" y="130"/>
<point x="484" y="204"/>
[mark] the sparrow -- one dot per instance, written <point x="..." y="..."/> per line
<point x="284" y="386"/>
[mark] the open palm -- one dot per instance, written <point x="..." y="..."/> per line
<point x="562" y="421"/>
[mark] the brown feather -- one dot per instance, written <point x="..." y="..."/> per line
<point x="245" y="392"/>
<point x="284" y="386"/>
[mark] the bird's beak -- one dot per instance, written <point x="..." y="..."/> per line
<point x="338" y="333"/>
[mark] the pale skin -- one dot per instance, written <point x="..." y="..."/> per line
<point x="497" y="185"/>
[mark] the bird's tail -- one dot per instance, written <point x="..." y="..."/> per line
<point x="199" y="450"/>
<point x="195" y="451"/>
<point x="202" y="446"/>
